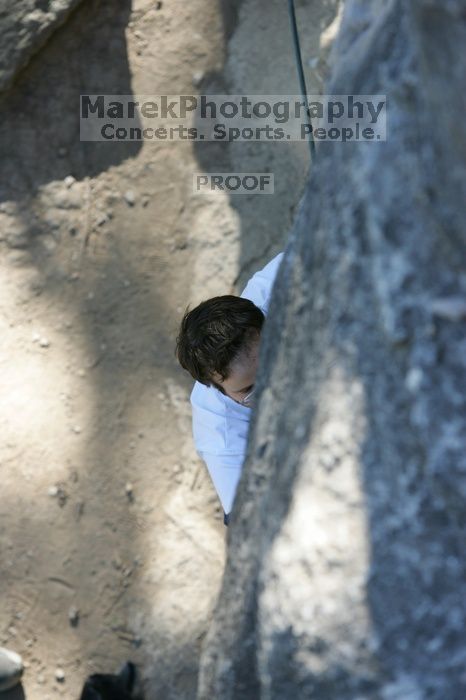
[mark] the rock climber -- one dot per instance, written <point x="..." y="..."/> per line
<point x="218" y="344"/>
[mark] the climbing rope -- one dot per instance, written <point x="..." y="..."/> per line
<point x="302" y="80"/>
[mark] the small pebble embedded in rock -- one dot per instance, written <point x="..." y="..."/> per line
<point x="73" y="616"/>
<point x="60" y="675"/>
<point x="130" y="198"/>
<point x="129" y="491"/>
<point x="197" y="78"/>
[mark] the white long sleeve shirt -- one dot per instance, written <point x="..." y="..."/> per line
<point x="220" y="425"/>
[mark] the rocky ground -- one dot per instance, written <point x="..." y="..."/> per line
<point x="111" y="535"/>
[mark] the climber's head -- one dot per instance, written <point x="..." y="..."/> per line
<point x="218" y="344"/>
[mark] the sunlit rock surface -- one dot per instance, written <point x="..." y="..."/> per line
<point x="345" y="576"/>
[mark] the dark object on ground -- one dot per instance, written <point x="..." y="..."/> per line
<point x="108" y="686"/>
<point x="11" y="669"/>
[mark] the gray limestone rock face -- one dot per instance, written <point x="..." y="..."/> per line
<point x="346" y="569"/>
<point x="25" y="26"/>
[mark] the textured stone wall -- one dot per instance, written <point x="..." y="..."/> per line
<point x="345" y="576"/>
<point x="25" y="26"/>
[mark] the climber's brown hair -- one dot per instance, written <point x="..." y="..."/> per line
<point x="216" y="333"/>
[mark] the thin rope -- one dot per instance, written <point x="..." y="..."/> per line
<point x="302" y="80"/>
